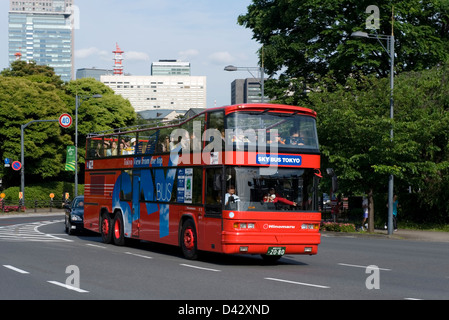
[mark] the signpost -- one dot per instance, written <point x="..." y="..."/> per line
<point x="65" y="121"/>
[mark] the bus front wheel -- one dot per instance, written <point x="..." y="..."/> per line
<point x="189" y="240"/>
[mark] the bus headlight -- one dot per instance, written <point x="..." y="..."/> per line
<point x="243" y="225"/>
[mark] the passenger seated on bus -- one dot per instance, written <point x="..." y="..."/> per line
<point x="114" y="151"/>
<point x="272" y="197"/>
<point x="98" y="151"/>
<point x="230" y="196"/>
<point x="296" y="138"/>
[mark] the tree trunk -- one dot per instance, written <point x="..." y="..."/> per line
<point x="371" y="211"/>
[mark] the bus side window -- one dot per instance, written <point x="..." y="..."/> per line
<point x="214" y="190"/>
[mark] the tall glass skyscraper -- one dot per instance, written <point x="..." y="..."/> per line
<point x="43" y="31"/>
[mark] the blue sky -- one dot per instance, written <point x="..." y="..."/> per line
<point x="204" y="32"/>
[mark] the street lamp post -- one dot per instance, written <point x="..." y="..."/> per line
<point x="391" y="44"/>
<point x="78" y="101"/>
<point x="261" y="71"/>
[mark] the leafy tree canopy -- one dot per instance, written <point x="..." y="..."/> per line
<point x="30" y="92"/>
<point x="306" y="39"/>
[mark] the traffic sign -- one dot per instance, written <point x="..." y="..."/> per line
<point x="65" y="120"/>
<point x="16" y="165"/>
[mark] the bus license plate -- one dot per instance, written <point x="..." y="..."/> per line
<point x="276" y="251"/>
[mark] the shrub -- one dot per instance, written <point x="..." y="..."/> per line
<point x="337" y="227"/>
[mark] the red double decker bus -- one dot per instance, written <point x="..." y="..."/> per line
<point x="236" y="180"/>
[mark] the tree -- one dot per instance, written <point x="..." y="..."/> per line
<point x="31" y="92"/>
<point x="33" y="72"/>
<point x="354" y="130"/>
<point x="22" y="101"/>
<point x="305" y="39"/>
<point x="95" y="115"/>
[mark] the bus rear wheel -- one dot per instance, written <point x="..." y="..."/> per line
<point x="106" y="228"/>
<point x="117" y="231"/>
<point x="189" y="240"/>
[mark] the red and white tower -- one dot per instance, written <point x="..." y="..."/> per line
<point x="118" y="61"/>
<point x="18" y="56"/>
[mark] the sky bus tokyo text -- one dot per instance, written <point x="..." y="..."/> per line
<point x="210" y="183"/>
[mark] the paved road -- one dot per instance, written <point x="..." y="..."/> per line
<point x="37" y="261"/>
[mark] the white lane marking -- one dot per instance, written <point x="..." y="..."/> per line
<point x="299" y="283"/>
<point x="68" y="287"/>
<point x="200" y="268"/>
<point x="138" y="255"/>
<point x="357" y="266"/>
<point x="29" y="233"/>
<point x="95" y="246"/>
<point x="16" y="269"/>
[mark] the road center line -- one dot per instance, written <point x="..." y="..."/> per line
<point x="299" y="283"/>
<point x="195" y="267"/>
<point x="16" y="269"/>
<point x="357" y="266"/>
<point x="68" y="287"/>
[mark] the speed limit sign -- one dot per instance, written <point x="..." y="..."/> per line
<point x="65" y="121"/>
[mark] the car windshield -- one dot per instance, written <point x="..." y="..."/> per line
<point x="78" y="203"/>
<point x="251" y="189"/>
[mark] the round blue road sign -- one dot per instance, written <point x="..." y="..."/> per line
<point x="16" y="165"/>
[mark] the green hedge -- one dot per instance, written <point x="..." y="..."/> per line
<point x="42" y="192"/>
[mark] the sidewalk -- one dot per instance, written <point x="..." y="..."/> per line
<point x="401" y="234"/>
<point x="30" y="213"/>
<point x="417" y="235"/>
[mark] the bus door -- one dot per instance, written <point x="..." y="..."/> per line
<point x="136" y="204"/>
<point x="211" y="224"/>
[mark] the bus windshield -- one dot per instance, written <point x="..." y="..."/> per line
<point x="286" y="190"/>
<point x="293" y="132"/>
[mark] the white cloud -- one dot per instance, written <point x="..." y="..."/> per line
<point x="187" y="54"/>
<point x="92" y="51"/>
<point x="136" y="56"/>
<point x="222" y="57"/>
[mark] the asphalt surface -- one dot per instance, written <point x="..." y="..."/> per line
<point x="401" y="234"/>
<point x="35" y="254"/>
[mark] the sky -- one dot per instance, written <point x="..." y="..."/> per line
<point x="203" y="32"/>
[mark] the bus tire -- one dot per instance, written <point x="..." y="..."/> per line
<point x="189" y="241"/>
<point x="118" y="230"/>
<point x="106" y="228"/>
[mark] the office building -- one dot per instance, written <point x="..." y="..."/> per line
<point x="246" y="91"/>
<point x="93" y="73"/>
<point x="170" y="68"/>
<point x="43" y="31"/>
<point x="160" y="92"/>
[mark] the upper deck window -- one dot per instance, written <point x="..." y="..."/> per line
<point x="292" y="132"/>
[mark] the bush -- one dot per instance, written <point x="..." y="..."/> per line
<point x="41" y="193"/>
<point x="337" y="227"/>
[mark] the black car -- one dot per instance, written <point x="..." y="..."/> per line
<point x="74" y="215"/>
